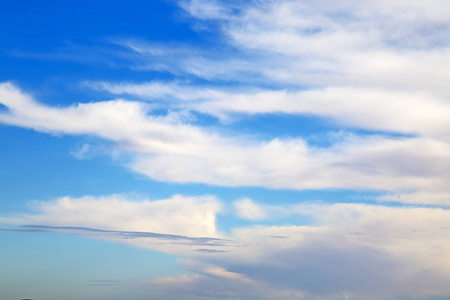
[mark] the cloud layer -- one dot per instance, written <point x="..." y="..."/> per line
<point x="351" y="249"/>
<point x="166" y="148"/>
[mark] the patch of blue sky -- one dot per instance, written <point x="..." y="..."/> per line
<point x="317" y="131"/>
<point x="49" y="170"/>
<point x="45" y="24"/>
<point x="46" y="265"/>
<point x="227" y="222"/>
<point x="271" y="126"/>
<point x="61" y="82"/>
<point x="52" y="45"/>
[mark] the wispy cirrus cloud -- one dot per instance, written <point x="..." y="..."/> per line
<point x="378" y="44"/>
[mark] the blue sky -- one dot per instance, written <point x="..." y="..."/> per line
<point x="224" y="150"/>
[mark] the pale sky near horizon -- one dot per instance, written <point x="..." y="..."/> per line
<point x="206" y="150"/>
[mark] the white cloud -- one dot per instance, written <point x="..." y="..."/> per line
<point x="221" y="283"/>
<point x="158" y="90"/>
<point x="189" y="216"/>
<point x="359" y="108"/>
<point x="430" y="197"/>
<point x="82" y="152"/>
<point x="377" y="163"/>
<point x="247" y="209"/>
<point x="202" y="9"/>
<point x="372" y="109"/>
<point x="165" y="148"/>
<point x="124" y="122"/>
<point x="352" y="249"/>
<point x="357" y="249"/>
<point x="400" y="45"/>
<point x="377" y="44"/>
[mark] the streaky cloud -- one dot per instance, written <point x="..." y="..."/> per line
<point x="167" y="148"/>
<point x="194" y="241"/>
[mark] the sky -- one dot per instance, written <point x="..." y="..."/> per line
<point x="208" y="149"/>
